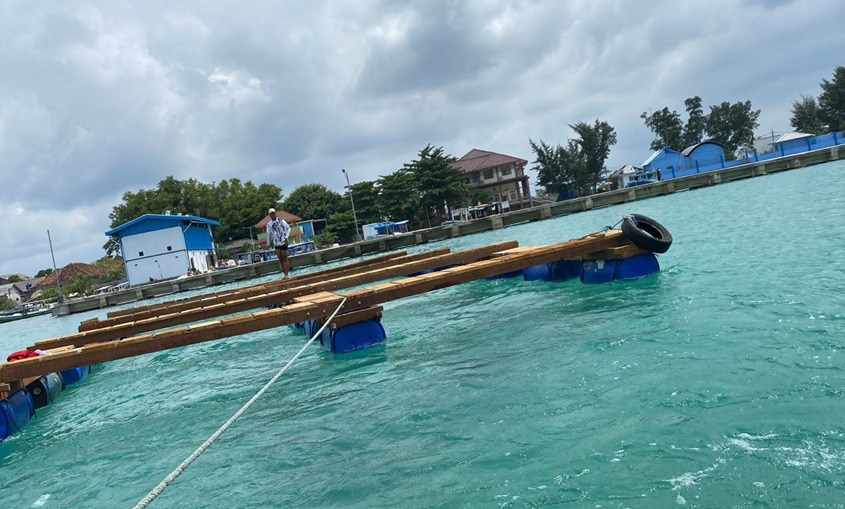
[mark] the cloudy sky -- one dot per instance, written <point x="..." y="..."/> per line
<point x="102" y="97"/>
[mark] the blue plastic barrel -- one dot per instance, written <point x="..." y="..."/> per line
<point x="566" y="269"/>
<point x="45" y="389"/>
<point x="73" y="375"/>
<point x="15" y="413"/>
<point x="356" y="336"/>
<point x="598" y="271"/>
<point x="636" y="266"/>
<point x="541" y="272"/>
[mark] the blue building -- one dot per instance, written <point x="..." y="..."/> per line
<point x="669" y="162"/>
<point x="704" y="156"/>
<point x="163" y="246"/>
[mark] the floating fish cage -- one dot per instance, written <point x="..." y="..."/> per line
<point x="352" y="318"/>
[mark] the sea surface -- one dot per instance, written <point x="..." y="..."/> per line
<point x="717" y="383"/>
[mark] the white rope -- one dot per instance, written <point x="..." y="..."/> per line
<point x="196" y="454"/>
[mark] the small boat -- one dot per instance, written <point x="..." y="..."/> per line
<point x="23" y="311"/>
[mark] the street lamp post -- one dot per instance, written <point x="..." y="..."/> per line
<point x="351" y="200"/>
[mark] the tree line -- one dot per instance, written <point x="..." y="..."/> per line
<point x="420" y="191"/>
<point x="578" y="166"/>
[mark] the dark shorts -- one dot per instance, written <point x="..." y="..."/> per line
<point x="284" y="247"/>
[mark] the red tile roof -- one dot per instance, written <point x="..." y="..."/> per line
<point x="69" y="271"/>
<point x="476" y="160"/>
<point x="287" y="216"/>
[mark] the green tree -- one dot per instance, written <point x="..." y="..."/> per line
<point x="236" y="205"/>
<point x="366" y="199"/>
<point x="325" y="239"/>
<point x="578" y="167"/>
<point x="399" y="199"/>
<point x="557" y="167"/>
<point x="696" y="123"/>
<point x="48" y="294"/>
<point x="668" y="128"/>
<point x="594" y="146"/>
<point x="14" y="278"/>
<point x="340" y="225"/>
<point x="44" y="272"/>
<point x="83" y="284"/>
<point x="437" y="182"/>
<point x="806" y="116"/>
<point x="112" y="266"/>
<point x="481" y="196"/>
<point x="6" y="303"/>
<point x="732" y="125"/>
<point x="832" y="101"/>
<point x="313" y="201"/>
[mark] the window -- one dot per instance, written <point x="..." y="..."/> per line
<point x="475" y="178"/>
<point x="170" y="248"/>
<point x="506" y="170"/>
<point x="513" y="194"/>
<point x="488" y="174"/>
<point x="140" y="253"/>
<point x="496" y="198"/>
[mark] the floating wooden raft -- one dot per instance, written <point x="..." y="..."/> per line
<point x="308" y="297"/>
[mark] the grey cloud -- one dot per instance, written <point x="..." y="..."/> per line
<point x="101" y="98"/>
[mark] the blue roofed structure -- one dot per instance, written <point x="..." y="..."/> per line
<point x="669" y="162"/>
<point x="163" y="246"/>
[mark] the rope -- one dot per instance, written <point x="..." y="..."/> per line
<point x="608" y="228"/>
<point x="196" y="454"/>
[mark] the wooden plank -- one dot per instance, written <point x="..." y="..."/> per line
<point x="148" y="343"/>
<point x="200" y="301"/>
<point x="340" y="268"/>
<point x="121" y="328"/>
<point x="308" y="306"/>
<point x="385" y="292"/>
<point x="373" y="312"/>
<point x="615" y="253"/>
<point x="173" y="338"/>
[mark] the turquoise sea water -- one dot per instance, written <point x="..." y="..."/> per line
<point x="716" y="383"/>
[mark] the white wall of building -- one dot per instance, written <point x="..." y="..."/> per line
<point x="155" y="255"/>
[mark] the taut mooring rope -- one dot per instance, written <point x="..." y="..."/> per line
<point x="196" y="454"/>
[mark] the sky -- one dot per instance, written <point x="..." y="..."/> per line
<point x="103" y="97"/>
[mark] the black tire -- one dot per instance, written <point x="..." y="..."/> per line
<point x="646" y="233"/>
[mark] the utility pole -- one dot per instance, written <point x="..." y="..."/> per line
<point x="60" y="298"/>
<point x="351" y="200"/>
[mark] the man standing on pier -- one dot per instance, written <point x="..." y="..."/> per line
<point x="277" y="235"/>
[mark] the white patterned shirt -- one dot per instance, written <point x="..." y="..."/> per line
<point x="277" y="231"/>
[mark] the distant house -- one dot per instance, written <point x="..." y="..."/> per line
<point x="4" y="278"/>
<point x="622" y="176"/>
<point x="311" y="228"/>
<point x="502" y="175"/>
<point x="22" y="290"/>
<point x="291" y="219"/>
<point x="162" y="246"/>
<point x="12" y="292"/>
<point x="793" y="143"/>
<point x="670" y="163"/>
<point x="70" y="271"/>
